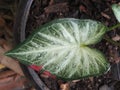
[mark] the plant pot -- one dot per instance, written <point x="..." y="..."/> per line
<point x="19" y="33"/>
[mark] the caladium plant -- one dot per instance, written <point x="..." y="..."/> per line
<point x="63" y="47"/>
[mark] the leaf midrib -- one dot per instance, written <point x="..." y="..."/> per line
<point x="53" y="48"/>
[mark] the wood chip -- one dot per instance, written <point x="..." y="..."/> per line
<point x="2" y="22"/>
<point x="64" y="86"/>
<point x="105" y="15"/>
<point x="51" y="2"/>
<point x="119" y="3"/>
<point x="75" y="81"/>
<point x="116" y="38"/>
<point x="91" y="79"/>
<point x="82" y="8"/>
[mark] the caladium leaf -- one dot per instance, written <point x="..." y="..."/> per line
<point x="62" y="48"/>
<point x="116" y="10"/>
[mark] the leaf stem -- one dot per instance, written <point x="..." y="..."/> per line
<point x="111" y="41"/>
<point x="113" y="27"/>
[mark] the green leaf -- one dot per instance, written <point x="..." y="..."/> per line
<point x="116" y="10"/>
<point x="62" y="47"/>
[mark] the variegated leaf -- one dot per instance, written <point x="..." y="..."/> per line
<point x="116" y="10"/>
<point x="62" y="47"/>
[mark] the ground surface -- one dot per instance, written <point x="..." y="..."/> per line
<point x="43" y="11"/>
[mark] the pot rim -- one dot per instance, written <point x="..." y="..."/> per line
<point x="19" y="36"/>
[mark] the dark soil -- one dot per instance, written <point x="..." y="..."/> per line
<point x="43" y="11"/>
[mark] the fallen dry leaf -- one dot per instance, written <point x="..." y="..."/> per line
<point x="6" y="73"/>
<point x="7" y="61"/>
<point x="14" y="66"/>
<point x="12" y="81"/>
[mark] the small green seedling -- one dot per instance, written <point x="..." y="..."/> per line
<point x="63" y="47"/>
